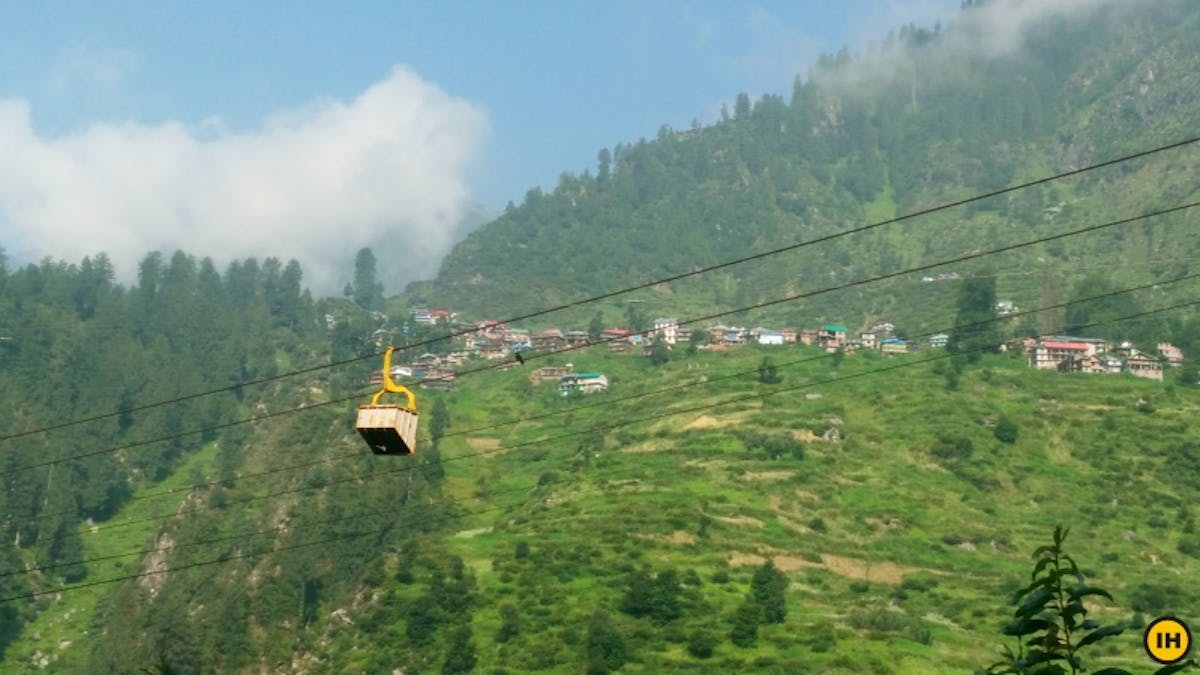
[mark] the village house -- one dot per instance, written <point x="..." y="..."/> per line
<point x="1143" y="365"/>
<point x="621" y="346"/>
<point x="789" y="335"/>
<point x="456" y="358"/>
<point x="832" y="336"/>
<point x="442" y="316"/>
<point x="516" y="335"/>
<point x="614" y="333"/>
<point x="548" y="373"/>
<point x="893" y="347"/>
<point x="883" y="328"/>
<point x="427" y="360"/>
<point x="1095" y="345"/>
<point x="421" y="316"/>
<point x="727" y="335"/>
<point x="438" y="373"/>
<point x="1173" y="354"/>
<point x="493" y="349"/>
<point x="868" y="340"/>
<point x="1125" y="349"/>
<point x="586" y="382"/>
<point x="549" y="339"/>
<point x="1094" y="364"/>
<point x="683" y="333"/>
<point x="442" y="382"/>
<point x="490" y="329"/>
<point x="766" y="336"/>
<point x="808" y="336"/>
<point x="939" y="341"/>
<point x="577" y="338"/>
<point x="1005" y="307"/>
<point x="518" y="341"/>
<point x="667" y="329"/>
<point x="1051" y="354"/>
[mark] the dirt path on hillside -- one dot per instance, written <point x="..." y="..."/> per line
<point x="852" y="568"/>
<point x="710" y="422"/>
<point x="678" y="537"/>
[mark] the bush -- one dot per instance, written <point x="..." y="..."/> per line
<point x="952" y="448"/>
<point x="919" y="582"/>
<point x="1006" y="430"/>
<point x="701" y="644"/>
<point x="822" y="638"/>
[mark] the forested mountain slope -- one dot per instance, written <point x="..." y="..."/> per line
<point x="929" y="116"/>
<point x="536" y="532"/>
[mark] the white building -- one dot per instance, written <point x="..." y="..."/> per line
<point x="766" y="336"/>
<point x="667" y="329"/>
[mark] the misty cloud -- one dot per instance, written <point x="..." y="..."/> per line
<point x="998" y="29"/>
<point x="385" y="170"/>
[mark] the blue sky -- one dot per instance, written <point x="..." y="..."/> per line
<point x="547" y="83"/>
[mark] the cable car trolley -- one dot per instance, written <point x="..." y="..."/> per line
<point x="389" y="429"/>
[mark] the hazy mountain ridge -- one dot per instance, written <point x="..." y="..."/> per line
<point x="844" y="151"/>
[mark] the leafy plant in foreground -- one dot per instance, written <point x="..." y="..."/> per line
<point x="1050" y="622"/>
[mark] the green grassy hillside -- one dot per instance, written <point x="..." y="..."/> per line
<point x="901" y="541"/>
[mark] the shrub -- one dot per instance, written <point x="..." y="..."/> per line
<point x="822" y="637"/>
<point x="1006" y="430"/>
<point x="701" y="644"/>
<point x="920" y="582"/>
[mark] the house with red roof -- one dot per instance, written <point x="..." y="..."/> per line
<point x="1058" y="354"/>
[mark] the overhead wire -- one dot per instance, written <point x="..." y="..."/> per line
<point x="672" y="413"/>
<point x="537" y="355"/>
<point x="649" y="284"/>
<point x="819" y="357"/>
<point x="230" y="558"/>
<point x="464" y="456"/>
<point x="675" y="388"/>
<point x="246" y="535"/>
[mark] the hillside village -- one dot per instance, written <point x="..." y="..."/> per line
<point x="493" y="340"/>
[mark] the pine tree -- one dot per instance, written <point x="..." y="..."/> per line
<point x="975" y="330"/>
<point x="745" y="624"/>
<point x="367" y="292"/>
<point x="460" y="651"/>
<point x="596" y="327"/>
<point x="769" y="587"/>
<point x="605" y="646"/>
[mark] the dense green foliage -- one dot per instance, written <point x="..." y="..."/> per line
<point x="818" y="516"/>
<point x="920" y="121"/>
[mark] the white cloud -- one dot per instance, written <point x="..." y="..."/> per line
<point x="386" y="170"/>
<point x="998" y="29"/>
